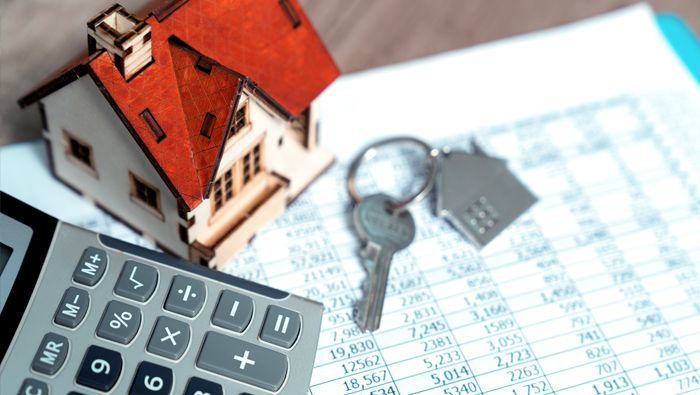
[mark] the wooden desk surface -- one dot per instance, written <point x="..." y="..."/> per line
<point x="359" y="33"/>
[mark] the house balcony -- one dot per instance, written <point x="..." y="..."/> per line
<point x="234" y="225"/>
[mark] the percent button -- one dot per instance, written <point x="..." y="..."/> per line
<point x="120" y="322"/>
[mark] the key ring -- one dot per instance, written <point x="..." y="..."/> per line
<point x="371" y="150"/>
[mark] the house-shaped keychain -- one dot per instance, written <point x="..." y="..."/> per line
<point x="195" y="126"/>
<point x="478" y="194"/>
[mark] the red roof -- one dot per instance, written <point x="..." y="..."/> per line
<point x="250" y="39"/>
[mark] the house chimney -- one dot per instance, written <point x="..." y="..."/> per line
<point x="126" y="39"/>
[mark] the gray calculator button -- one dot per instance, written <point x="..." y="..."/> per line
<point x="73" y="307"/>
<point x="91" y="266"/>
<point x="169" y="338"/>
<point x="51" y="354"/>
<point x="186" y="296"/>
<point x="243" y="361"/>
<point x="233" y="311"/>
<point x="119" y="323"/>
<point x="33" y="387"/>
<point x="281" y="326"/>
<point x="137" y="281"/>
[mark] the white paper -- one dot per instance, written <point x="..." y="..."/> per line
<point x="594" y="291"/>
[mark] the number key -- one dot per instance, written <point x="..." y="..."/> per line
<point x="152" y="379"/>
<point x="100" y="368"/>
<point x="198" y="386"/>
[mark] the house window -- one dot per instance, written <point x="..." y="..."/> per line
<point x="241" y="119"/>
<point x="251" y="164"/>
<point x="79" y="151"/>
<point x="223" y="190"/>
<point x="145" y="194"/>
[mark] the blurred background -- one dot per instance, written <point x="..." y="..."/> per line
<point x="38" y="37"/>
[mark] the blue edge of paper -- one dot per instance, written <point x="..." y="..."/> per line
<point x="683" y="40"/>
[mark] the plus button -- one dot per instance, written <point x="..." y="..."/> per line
<point x="244" y="360"/>
<point x="95" y="258"/>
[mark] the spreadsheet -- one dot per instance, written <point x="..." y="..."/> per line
<point x="594" y="291"/>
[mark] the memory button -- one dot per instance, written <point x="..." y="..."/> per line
<point x="91" y="266"/>
<point x="51" y="354"/>
<point x="73" y="307"/>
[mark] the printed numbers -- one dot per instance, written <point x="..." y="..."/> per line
<point x="524" y="373"/>
<point x="611" y="385"/>
<point x="462" y="389"/>
<point x="449" y="375"/>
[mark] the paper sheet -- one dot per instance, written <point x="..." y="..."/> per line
<point x="594" y="291"/>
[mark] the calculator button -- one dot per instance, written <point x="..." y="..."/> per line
<point x="137" y="281"/>
<point x="186" y="296"/>
<point x="233" y="311"/>
<point x="100" y="368"/>
<point x="243" y="361"/>
<point x="281" y="326"/>
<point x="91" y="266"/>
<point x="169" y="338"/>
<point x="51" y="354"/>
<point x="119" y="323"/>
<point x="34" y="387"/>
<point x="152" y="379"/>
<point x="73" y="307"/>
<point x="198" y="386"/>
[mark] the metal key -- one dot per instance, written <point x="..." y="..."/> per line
<point x="383" y="234"/>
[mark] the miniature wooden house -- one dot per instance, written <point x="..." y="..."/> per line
<point x="195" y="126"/>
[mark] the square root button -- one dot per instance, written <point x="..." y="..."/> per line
<point x="281" y="326"/>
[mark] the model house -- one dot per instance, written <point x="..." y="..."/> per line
<point x="196" y="125"/>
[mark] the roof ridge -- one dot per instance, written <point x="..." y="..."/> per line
<point x="181" y="112"/>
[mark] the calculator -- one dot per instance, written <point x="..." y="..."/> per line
<point x="84" y="313"/>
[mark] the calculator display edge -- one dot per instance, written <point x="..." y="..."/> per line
<point x="43" y="228"/>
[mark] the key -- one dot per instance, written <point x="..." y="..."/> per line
<point x="478" y="195"/>
<point x="383" y="235"/>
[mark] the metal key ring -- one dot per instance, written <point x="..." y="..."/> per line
<point x="371" y="150"/>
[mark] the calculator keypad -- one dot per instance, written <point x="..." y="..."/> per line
<point x="244" y="357"/>
<point x="51" y="354"/>
<point x="91" y="267"/>
<point x="186" y="296"/>
<point x="73" y="307"/>
<point x="120" y="322"/>
<point x="169" y="338"/>
<point x="136" y="281"/>
<point x="100" y="369"/>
